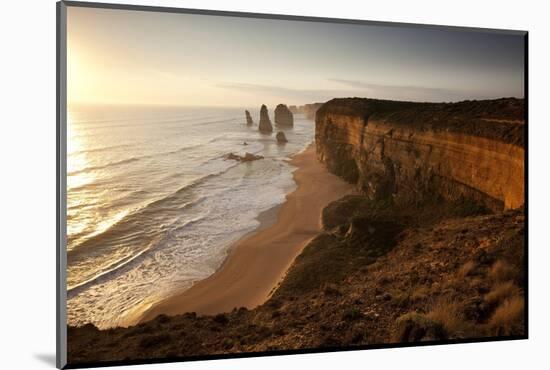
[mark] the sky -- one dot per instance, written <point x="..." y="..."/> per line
<point x="136" y="57"/>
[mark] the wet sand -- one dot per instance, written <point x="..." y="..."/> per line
<point x="257" y="263"/>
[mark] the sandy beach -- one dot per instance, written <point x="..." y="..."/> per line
<point x="258" y="262"/>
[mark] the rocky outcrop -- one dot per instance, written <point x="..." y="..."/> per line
<point x="249" y="121"/>
<point x="265" y="122"/>
<point x="248" y="157"/>
<point x="281" y="138"/>
<point x="283" y="116"/>
<point x="309" y="110"/>
<point x="407" y="151"/>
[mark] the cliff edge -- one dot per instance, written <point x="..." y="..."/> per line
<point x="407" y="151"/>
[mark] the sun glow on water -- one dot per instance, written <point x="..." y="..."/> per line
<point x="77" y="157"/>
<point x="152" y="204"/>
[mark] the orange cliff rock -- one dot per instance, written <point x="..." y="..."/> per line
<point x="407" y="151"/>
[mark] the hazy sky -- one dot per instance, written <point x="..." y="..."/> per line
<point x="134" y="57"/>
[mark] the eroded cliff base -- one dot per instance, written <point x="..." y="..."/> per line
<point x="381" y="272"/>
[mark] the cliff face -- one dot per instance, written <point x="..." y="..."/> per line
<point x="309" y="110"/>
<point x="408" y="151"/>
<point x="283" y="116"/>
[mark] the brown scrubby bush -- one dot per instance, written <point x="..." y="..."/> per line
<point x="466" y="269"/>
<point x="450" y="315"/>
<point x="415" y="327"/>
<point x="501" y="271"/>
<point x="508" y="317"/>
<point x="502" y="292"/>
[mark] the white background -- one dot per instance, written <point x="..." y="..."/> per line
<point x="27" y="196"/>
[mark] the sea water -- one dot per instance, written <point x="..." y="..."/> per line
<point x="153" y="205"/>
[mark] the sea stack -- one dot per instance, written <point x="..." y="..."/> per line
<point x="249" y="121"/>
<point x="283" y="116"/>
<point x="265" y="122"/>
<point x="281" y="138"/>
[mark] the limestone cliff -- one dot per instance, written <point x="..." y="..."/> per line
<point x="408" y="151"/>
<point x="309" y="110"/>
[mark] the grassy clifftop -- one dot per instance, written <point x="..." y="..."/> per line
<point x="500" y="119"/>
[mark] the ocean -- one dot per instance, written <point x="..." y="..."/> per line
<point x="153" y="206"/>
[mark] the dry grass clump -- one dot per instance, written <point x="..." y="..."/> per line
<point x="420" y="293"/>
<point x="508" y="317"/>
<point x="501" y="271"/>
<point x="416" y="327"/>
<point x="450" y="315"/>
<point x="502" y="292"/>
<point x="507" y="300"/>
<point x="445" y="320"/>
<point x="402" y="299"/>
<point x="466" y="269"/>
